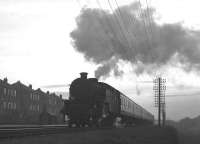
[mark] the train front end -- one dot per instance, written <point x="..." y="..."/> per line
<point x="84" y="101"/>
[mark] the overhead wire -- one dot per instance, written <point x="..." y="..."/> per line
<point x="110" y="26"/>
<point x="122" y="33"/>
<point x="149" y="17"/>
<point x="144" y="23"/>
<point x="149" y="40"/>
<point x="114" y="34"/>
<point x="157" y="29"/>
<point x="182" y="95"/>
<point x="118" y="22"/>
<point x="150" y="21"/>
<point x="133" y="21"/>
<point x="121" y="30"/>
<point x="121" y="15"/>
<point x="147" y="23"/>
<point x="108" y="21"/>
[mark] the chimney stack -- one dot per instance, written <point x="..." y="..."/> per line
<point x="30" y="86"/>
<point x="5" y="80"/>
<point x="83" y="75"/>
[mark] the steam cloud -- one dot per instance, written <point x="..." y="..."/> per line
<point x="99" y="37"/>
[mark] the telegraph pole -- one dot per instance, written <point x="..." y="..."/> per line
<point x="159" y="90"/>
<point x="159" y="102"/>
<point x="163" y="114"/>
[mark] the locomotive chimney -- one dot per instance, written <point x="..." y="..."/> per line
<point x="83" y="75"/>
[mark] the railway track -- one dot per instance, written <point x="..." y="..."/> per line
<point x="23" y="131"/>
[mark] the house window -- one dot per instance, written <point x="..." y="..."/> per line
<point x="9" y="105"/>
<point x="15" y="93"/>
<point x="11" y="92"/>
<point x="38" y="107"/>
<point x="14" y="105"/>
<point x="4" y="105"/>
<point x="4" y="90"/>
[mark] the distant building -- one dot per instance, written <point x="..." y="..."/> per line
<point x="21" y="104"/>
<point x="8" y="103"/>
<point x="28" y="103"/>
<point x="54" y="105"/>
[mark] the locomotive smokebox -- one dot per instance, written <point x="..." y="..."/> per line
<point x="83" y="75"/>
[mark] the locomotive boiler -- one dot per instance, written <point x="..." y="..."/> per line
<point x="96" y="103"/>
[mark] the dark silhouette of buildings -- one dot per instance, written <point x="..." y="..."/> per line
<point x="21" y="104"/>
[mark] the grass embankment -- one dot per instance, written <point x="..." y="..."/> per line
<point x="189" y="138"/>
<point x="134" y="135"/>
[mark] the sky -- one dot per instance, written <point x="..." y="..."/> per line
<point x="36" y="47"/>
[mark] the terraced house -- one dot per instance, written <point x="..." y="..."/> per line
<point x="21" y="104"/>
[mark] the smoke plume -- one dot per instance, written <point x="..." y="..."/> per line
<point x="132" y="35"/>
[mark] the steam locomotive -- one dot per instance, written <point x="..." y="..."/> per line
<point x="96" y="103"/>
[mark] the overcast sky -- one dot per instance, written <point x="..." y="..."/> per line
<point x="36" y="48"/>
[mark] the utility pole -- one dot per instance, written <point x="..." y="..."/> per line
<point x="159" y="90"/>
<point x="159" y="102"/>
<point x="163" y="114"/>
